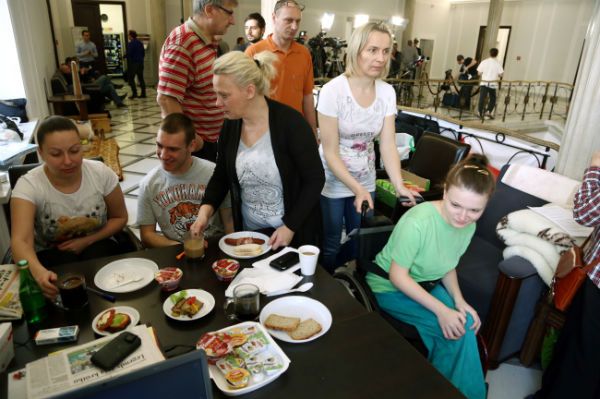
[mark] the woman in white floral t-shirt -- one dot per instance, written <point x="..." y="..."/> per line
<point x="354" y="109"/>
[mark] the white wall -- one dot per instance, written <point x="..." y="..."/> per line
<point x="546" y="34"/>
<point x="114" y="23"/>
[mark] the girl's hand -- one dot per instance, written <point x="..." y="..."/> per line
<point x="465" y="308"/>
<point x="75" y="245"/>
<point x="452" y="323"/>
<point x="45" y="279"/>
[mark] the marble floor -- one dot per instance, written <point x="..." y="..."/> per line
<point x="135" y="127"/>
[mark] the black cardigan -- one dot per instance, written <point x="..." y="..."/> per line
<point x="297" y="158"/>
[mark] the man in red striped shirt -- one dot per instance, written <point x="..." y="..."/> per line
<point x="185" y="71"/>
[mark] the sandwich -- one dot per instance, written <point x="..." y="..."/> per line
<point x="111" y="321"/>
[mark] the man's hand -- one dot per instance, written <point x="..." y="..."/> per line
<point x="281" y="237"/>
<point x="452" y="323"/>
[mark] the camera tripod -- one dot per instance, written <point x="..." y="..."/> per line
<point x="335" y="67"/>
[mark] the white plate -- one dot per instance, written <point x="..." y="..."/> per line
<point x="133" y="314"/>
<point x="203" y="296"/>
<point x="228" y="249"/>
<point x="219" y="379"/>
<point x="125" y="269"/>
<point x="297" y="306"/>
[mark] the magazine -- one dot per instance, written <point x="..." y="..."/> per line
<point x="10" y="305"/>
<point x="71" y="368"/>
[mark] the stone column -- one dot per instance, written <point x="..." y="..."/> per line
<point x="266" y="10"/>
<point x="581" y="137"/>
<point x="409" y="13"/>
<point x="493" y="24"/>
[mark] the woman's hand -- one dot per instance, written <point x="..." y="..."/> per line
<point x="199" y="225"/>
<point x="361" y="196"/>
<point x="281" y="237"/>
<point x="452" y="323"/>
<point x="45" y="279"/>
<point x="403" y="191"/>
<point x="464" y="308"/>
<point x="75" y="245"/>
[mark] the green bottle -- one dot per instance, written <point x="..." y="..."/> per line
<point x="30" y="294"/>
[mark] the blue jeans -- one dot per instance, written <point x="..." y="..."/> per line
<point x="337" y="213"/>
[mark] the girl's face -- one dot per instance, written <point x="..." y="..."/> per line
<point x="62" y="152"/>
<point x="461" y="207"/>
<point x="375" y="55"/>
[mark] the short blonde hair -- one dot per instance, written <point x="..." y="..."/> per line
<point x="245" y="70"/>
<point x="357" y="43"/>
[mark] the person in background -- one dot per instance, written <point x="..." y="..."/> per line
<point x="185" y="72"/>
<point x="416" y="44"/>
<point x="422" y="289"/>
<point x="67" y="209"/>
<point x="171" y="193"/>
<point x="239" y="44"/>
<point x="409" y="56"/>
<point x="135" y="64"/>
<point x="90" y="77"/>
<point x="254" y="28"/>
<point x="268" y="159"/>
<point x="293" y="84"/>
<point x="395" y="61"/>
<point x="86" y="50"/>
<point x="354" y="109"/>
<point x="489" y="70"/>
<point x="468" y="78"/>
<point x="573" y="372"/>
<point x="222" y="46"/>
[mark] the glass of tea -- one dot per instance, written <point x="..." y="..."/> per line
<point x="193" y="245"/>
<point x="245" y="303"/>
<point x="72" y="290"/>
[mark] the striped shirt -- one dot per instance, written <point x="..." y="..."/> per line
<point x="185" y="73"/>
<point x="587" y="212"/>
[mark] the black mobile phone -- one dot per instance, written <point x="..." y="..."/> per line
<point x="285" y="261"/>
<point x="113" y="353"/>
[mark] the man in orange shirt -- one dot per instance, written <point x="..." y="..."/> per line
<point x="294" y="82"/>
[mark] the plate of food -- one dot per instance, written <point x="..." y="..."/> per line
<point x="115" y="319"/>
<point x="187" y="305"/>
<point x="296" y="319"/>
<point x="242" y="358"/>
<point x="244" y="244"/>
<point x="126" y="275"/>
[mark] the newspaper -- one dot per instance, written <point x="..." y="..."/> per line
<point x="10" y="305"/>
<point x="71" y="368"/>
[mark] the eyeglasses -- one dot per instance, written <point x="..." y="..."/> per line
<point x="227" y="11"/>
<point x="288" y="3"/>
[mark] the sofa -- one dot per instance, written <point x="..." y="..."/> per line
<point x="504" y="292"/>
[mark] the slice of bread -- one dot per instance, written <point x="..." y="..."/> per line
<point x="306" y="329"/>
<point x="282" y="323"/>
<point x="248" y="250"/>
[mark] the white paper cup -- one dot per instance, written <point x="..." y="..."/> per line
<point x="309" y="255"/>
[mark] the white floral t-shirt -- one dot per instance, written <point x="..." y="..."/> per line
<point x="358" y="127"/>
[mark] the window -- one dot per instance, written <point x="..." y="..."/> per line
<point x="11" y="79"/>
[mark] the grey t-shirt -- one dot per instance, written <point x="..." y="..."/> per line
<point x="260" y="183"/>
<point x="174" y="200"/>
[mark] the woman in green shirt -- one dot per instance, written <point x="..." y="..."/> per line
<point x="423" y="252"/>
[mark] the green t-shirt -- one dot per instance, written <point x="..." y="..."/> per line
<point x="425" y="244"/>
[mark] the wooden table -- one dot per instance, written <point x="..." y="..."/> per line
<point x="360" y="356"/>
<point x="80" y="101"/>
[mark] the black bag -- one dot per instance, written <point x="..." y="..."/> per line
<point x="450" y="100"/>
<point x="10" y="124"/>
<point x="14" y="107"/>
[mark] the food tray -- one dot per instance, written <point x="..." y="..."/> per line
<point x="219" y="378"/>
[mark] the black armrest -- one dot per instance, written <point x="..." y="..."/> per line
<point x="517" y="267"/>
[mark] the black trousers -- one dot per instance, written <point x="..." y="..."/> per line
<point x="573" y="371"/>
<point x="485" y="91"/>
<point x="136" y="69"/>
<point x="54" y="257"/>
<point x="208" y="152"/>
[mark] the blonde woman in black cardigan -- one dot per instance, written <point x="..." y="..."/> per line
<point x="267" y="157"/>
